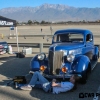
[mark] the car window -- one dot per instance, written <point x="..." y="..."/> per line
<point x="89" y="38"/>
<point x="68" y="37"/>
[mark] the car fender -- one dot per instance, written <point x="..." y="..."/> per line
<point x="81" y="63"/>
<point x="34" y="64"/>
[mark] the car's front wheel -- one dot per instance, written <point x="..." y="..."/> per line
<point x="85" y="75"/>
<point x="95" y="57"/>
<point x="83" y="80"/>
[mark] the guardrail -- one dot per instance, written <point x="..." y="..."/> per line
<point x="25" y="36"/>
<point x="33" y="45"/>
<point x="36" y="45"/>
<point x="97" y="36"/>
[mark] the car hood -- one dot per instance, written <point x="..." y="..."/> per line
<point x="66" y="46"/>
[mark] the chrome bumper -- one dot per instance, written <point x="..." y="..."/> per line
<point x="63" y="76"/>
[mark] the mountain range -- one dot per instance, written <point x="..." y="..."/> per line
<point x="51" y="12"/>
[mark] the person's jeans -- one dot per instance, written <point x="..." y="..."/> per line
<point x="44" y="83"/>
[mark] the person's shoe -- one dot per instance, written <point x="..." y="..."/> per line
<point x="26" y="87"/>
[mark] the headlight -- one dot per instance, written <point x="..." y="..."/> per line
<point x="70" y="58"/>
<point x="72" y="54"/>
<point x="41" y="56"/>
<point x="75" y="52"/>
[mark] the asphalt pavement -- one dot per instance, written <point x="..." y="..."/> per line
<point x="11" y="66"/>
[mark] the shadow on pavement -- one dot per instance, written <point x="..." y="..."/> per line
<point x="11" y="66"/>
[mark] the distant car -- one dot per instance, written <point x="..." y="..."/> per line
<point x="72" y="52"/>
<point x="1" y="48"/>
<point x="5" y="46"/>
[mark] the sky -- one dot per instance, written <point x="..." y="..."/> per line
<point x="34" y="3"/>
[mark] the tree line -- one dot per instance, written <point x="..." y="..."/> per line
<point x="30" y="22"/>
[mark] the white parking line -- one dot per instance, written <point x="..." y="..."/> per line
<point x="97" y="97"/>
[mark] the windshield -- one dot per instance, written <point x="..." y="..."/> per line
<point x="68" y="37"/>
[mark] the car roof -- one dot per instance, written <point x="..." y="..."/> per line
<point x="83" y="31"/>
<point x="3" y="42"/>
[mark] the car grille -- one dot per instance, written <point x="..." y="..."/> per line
<point x="55" y="61"/>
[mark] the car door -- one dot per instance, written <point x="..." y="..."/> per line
<point x="89" y="46"/>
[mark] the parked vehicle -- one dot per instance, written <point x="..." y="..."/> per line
<point x="1" y="49"/>
<point x="72" y="52"/>
<point x="5" y="45"/>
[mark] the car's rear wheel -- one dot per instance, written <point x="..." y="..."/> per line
<point x="95" y="57"/>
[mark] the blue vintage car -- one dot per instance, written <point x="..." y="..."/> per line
<point x="72" y="52"/>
